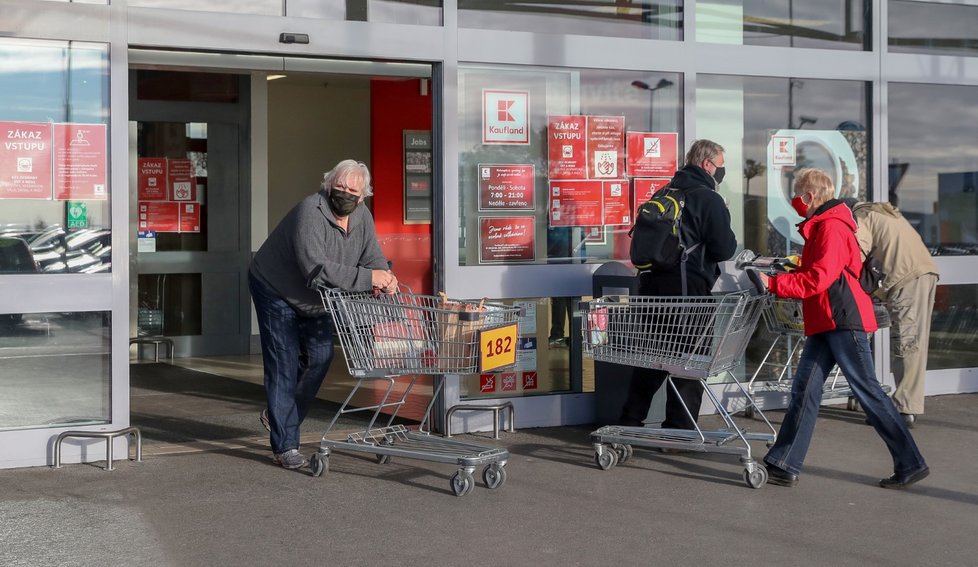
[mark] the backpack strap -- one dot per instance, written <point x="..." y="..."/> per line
<point x="686" y="250"/>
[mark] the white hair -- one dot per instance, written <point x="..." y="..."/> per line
<point x="348" y="170"/>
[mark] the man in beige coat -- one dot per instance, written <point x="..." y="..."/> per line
<point x="911" y="278"/>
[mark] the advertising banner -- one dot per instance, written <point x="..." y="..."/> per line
<point x="159" y="216"/>
<point x="151" y="179"/>
<point x="506" y="239"/>
<point x="181" y="180"/>
<point x="645" y="188"/>
<point x="617" y="206"/>
<point x="505" y="117"/>
<point x="80" y="161"/>
<point x="606" y="147"/>
<point x="653" y="154"/>
<point x="506" y="187"/>
<point x="567" y="147"/>
<point x="576" y="203"/>
<point x="25" y="160"/>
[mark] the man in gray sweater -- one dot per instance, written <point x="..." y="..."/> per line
<point x="329" y="240"/>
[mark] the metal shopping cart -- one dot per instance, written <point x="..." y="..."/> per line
<point x="692" y="338"/>
<point x="403" y="335"/>
<point x="783" y="318"/>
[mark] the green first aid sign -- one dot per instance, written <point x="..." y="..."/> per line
<point x="77" y="214"/>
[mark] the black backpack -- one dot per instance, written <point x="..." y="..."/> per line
<point x="656" y="237"/>
<point x="872" y="276"/>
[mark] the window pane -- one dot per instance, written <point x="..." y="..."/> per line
<point x="54" y="193"/>
<point x="820" y="123"/>
<point x="954" y="329"/>
<point x="260" y="7"/>
<point x="169" y="305"/>
<point x="537" y="121"/>
<point x="826" y="24"/>
<point x="54" y="369"/>
<point x="417" y="12"/>
<point x="605" y="18"/>
<point x="934" y="163"/>
<point x="933" y="27"/>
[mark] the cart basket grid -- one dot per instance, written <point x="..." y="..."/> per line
<point x="406" y="333"/>
<point x="784" y="317"/>
<point x="689" y="337"/>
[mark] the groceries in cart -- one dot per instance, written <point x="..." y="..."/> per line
<point x="397" y="338"/>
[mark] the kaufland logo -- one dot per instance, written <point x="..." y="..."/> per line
<point x="505" y="117"/>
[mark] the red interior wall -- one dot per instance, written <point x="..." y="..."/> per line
<point x="395" y="106"/>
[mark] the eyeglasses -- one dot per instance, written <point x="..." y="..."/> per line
<point x="714" y="163"/>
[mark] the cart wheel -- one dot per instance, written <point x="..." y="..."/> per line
<point x="319" y="464"/>
<point x="494" y="476"/>
<point x="852" y="404"/>
<point x="383" y="459"/>
<point x="624" y="451"/>
<point x="461" y="483"/>
<point x="756" y="478"/>
<point x="606" y="460"/>
<point x="749" y="412"/>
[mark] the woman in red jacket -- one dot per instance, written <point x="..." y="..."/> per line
<point x="838" y="317"/>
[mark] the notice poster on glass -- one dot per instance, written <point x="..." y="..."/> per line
<point x="151" y="179"/>
<point x="644" y="189"/>
<point x="159" y="216"/>
<point x="605" y="147"/>
<point x="181" y="180"/>
<point x="616" y="206"/>
<point x="576" y="203"/>
<point x="506" y="187"/>
<point x="653" y="154"/>
<point x="507" y="239"/>
<point x="190" y="217"/>
<point x="80" y="161"/>
<point x="25" y="160"/>
<point x="567" y="147"/>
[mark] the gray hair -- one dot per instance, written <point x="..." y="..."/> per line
<point x="345" y="171"/>
<point x="703" y="150"/>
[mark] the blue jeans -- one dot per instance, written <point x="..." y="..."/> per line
<point x="851" y="351"/>
<point x="296" y="353"/>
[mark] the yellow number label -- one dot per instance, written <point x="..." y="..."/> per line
<point x="497" y="347"/>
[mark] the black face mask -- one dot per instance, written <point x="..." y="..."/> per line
<point x="719" y="173"/>
<point x="342" y="203"/>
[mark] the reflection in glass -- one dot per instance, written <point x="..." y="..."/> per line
<point x="54" y="369"/>
<point x="169" y="304"/>
<point x="814" y="123"/>
<point x="954" y="329"/>
<point x="825" y="24"/>
<point x="605" y="18"/>
<point x="416" y="12"/>
<point x="934" y="163"/>
<point x="932" y="27"/>
<point x="554" y="92"/>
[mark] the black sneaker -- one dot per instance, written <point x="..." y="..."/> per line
<point x="780" y="477"/>
<point x="906" y="480"/>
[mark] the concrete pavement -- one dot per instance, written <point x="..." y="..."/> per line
<point x="228" y="505"/>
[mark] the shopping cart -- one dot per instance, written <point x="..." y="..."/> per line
<point x="691" y="338"/>
<point x="404" y="336"/>
<point x="783" y="319"/>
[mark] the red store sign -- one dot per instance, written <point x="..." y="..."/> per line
<point x="567" y="147"/>
<point x="80" y="162"/>
<point x="25" y="160"/>
<point x="506" y="187"/>
<point x="653" y="154"/>
<point x="506" y="239"/>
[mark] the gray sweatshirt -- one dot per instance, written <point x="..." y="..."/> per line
<point x="308" y="249"/>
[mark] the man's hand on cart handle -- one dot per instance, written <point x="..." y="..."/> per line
<point x="384" y="280"/>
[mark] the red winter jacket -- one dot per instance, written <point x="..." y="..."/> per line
<point x="832" y="298"/>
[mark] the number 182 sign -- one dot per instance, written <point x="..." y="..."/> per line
<point x="497" y="347"/>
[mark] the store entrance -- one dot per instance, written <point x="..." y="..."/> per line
<point x="216" y="160"/>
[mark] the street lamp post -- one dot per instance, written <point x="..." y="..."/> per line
<point x="642" y="85"/>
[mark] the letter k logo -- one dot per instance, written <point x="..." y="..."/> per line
<point x="502" y="111"/>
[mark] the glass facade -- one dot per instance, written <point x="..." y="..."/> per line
<point x="55" y="370"/>
<point x="54" y="170"/>
<point x="933" y="165"/>
<point x="511" y="205"/>
<point x="938" y="28"/>
<point x="418" y="12"/>
<point x="606" y="18"/>
<point x="822" y="24"/>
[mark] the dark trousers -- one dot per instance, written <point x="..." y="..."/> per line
<point x="646" y="382"/>
<point x="296" y="353"/>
